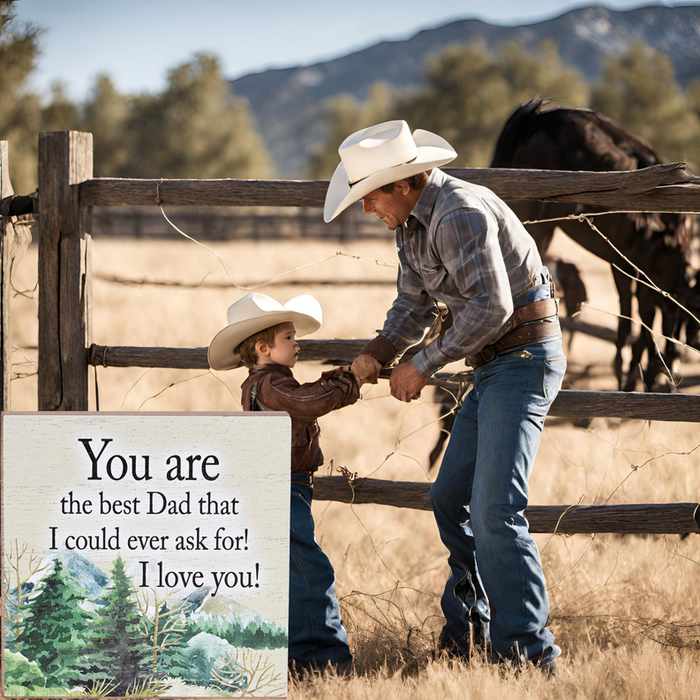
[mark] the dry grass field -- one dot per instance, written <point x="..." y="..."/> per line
<point x="625" y="610"/>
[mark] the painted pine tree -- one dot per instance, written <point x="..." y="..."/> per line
<point x="56" y="629"/>
<point x="117" y="645"/>
<point x="173" y="659"/>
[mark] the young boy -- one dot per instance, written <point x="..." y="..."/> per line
<point x="262" y="334"/>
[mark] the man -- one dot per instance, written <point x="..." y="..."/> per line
<point x="459" y="244"/>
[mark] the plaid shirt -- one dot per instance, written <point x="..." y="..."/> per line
<point x="464" y="247"/>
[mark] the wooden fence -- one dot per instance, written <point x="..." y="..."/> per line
<point x="67" y="191"/>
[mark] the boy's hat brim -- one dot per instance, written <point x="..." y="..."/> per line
<point x="256" y="312"/>
<point x="413" y="153"/>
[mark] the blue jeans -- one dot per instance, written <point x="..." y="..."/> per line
<point x="496" y="590"/>
<point x="316" y="634"/>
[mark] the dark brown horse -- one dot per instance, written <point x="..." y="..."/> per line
<point x="540" y="136"/>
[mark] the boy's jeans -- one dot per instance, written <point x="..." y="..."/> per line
<point x="479" y="497"/>
<point x="316" y="635"/>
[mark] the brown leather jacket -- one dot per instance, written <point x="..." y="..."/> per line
<point x="273" y="388"/>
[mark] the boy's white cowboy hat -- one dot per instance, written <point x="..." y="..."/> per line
<point x="378" y="155"/>
<point x="256" y="312"/>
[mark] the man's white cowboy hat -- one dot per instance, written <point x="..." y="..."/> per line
<point x="256" y="312"/>
<point x="378" y="155"/>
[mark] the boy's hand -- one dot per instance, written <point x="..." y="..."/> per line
<point x="348" y="381"/>
<point x="366" y="368"/>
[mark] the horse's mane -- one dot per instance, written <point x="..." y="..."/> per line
<point x="539" y="132"/>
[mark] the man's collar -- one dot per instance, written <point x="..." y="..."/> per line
<point x="426" y="201"/>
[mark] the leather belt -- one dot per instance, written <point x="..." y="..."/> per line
<point x="528" y="324"/>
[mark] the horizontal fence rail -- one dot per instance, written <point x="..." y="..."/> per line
<point x="331" y="351"/>
<point x="639" y="518"/>
<point x="667" y="187"/>
<point x="327" y="351"/>
<point x="570" y="404"/>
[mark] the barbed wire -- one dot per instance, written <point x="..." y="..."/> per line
<point x="398" y="588"/>
<point x="397" y="450"/>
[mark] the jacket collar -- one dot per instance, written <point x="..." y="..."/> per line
<point x="423" y="208"/>
<point x="265" y="369"/>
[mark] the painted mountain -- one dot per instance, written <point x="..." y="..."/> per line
<point x="288" y="103"/>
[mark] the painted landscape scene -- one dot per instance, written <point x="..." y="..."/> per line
<point x="73" y="629"/>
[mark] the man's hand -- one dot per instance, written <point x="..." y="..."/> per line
<point x="406" y="382"/>
<point x="366" y="368"/>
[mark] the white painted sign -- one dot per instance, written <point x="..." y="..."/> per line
<point x="145" y="552"/>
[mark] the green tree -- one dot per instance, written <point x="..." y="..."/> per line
<point x="19" y="107"/>
<point x="173" y="660"/>
<point x="195" y="128"/>
<point x="20" y="671"/>
<point x="638" y="90"/>
<point x="165" y="627"/>
<point x="468" y="93"/>
<point x="344" y="115"/>
<point x="693" y="97"/>
<point x="105" y="115"/>
<point x="60" y="114"/>
<point x="56" y="628"/>
<point x="466" y="97"/>
<point x="117" y="646"/>
<point x="542" y="73"/>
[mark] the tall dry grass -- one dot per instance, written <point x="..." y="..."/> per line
<point x="626" y="610"/>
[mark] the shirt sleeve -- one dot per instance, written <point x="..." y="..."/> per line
<point x="412" y="312"/>
<point x="468" y="245"/>
<point x="335" y="389"/>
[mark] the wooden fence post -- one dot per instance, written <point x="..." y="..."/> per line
<point x="5" y="266"/>
<point x="65" y="160"/>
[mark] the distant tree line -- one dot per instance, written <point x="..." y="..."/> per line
<point x="195" y="127"/>
<point x="469" y="93"/>
<point x="256" y="634"/>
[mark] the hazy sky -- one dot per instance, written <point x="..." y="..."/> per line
<point x="137" y="41"/>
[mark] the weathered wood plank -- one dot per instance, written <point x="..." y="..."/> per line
<point x="571" y="404"/>
<point x="628" y="405"/>
<point x="642" y="518"/>
<point x="65" y="160"/>
<point x="666" y="188"/>
<point x="5" y="270"/>
<point x="329" y="351"/>
<point x="230" y="192"/>
<point x="130" y="356"/>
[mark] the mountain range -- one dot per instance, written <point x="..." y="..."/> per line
<point x="288" y="103"/>
<point x="93" y="581"/>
